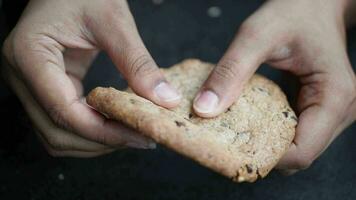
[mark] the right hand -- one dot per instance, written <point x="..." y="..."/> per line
<point x="306" y="38"/>
<point x="49" y="52"/>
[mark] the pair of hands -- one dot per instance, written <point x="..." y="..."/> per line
<point x="52" y="46"/>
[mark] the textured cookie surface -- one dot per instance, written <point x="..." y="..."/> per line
<point x="243" y="143"/>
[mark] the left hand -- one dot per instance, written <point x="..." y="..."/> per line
<point x="308" y="39"/>
<point x="46" y="57"/>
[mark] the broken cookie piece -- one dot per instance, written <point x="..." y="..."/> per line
<point x="244" y="143"/>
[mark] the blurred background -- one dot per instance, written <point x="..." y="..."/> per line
<point x="172" y="31"/>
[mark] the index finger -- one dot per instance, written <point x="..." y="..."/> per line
<point x="41" y="64"/>
<point x="226" y="81"/>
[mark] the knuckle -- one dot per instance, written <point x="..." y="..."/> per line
<point x="59" y="114"/>
<point x="113" y="6"/>
<point x="6" y="49"/>
<point x="12" y="46"/>
<point x="142" y="65"/>
<point x="6" y="60"/>
<point x="56" y="114"/>
<point x="115" y="13"/>
<point x="226" y="69"/>
<point x="248" y="30"/>
<point x="19" y="42"/>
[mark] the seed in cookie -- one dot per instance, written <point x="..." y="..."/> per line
<point x="132" y="101"/>
<point x="285" y="114"/>
<point x="249" y="169"/>
<point x="179" y="124"/>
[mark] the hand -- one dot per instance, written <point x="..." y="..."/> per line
<point x="49" y="52"/>
<point x="306" y="38"/>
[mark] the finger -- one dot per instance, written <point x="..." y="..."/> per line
<point x="74" y="145"/>
<point x="80" y="154"/>
<point x="235" y="68"/>
<point x="313" y="135"/>
<point x="42" y="67"/>
<point x="289" y="172"/>
<point x="75" y="153"/>
<point x="77" y="63"/>
<point x="57" y="137"/>
<point x="317" y="127"/>
<point x="120" y="39"/>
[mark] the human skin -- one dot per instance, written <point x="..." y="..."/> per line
<point x="49" y="52"/>
<point x="52" y="46"/>
<point x="306" y="38"/>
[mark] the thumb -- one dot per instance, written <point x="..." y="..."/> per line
<point x="120" y="39"/>
<point x="236" y="67"/>
<point x="323" y="117"/>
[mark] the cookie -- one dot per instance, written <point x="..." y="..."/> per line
<point x="243" y="143"/>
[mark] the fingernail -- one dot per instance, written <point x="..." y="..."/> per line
<point x="166" y="92"/>
<point x="148" y="145"/>
<point x="206" y="102"/>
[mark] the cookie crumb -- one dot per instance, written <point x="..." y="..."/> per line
<point x="60" y="177"/>
<point x="214" y="12"/>
<point x="241" y="179"/>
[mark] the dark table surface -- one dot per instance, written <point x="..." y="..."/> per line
<point x="172" y="31"/>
